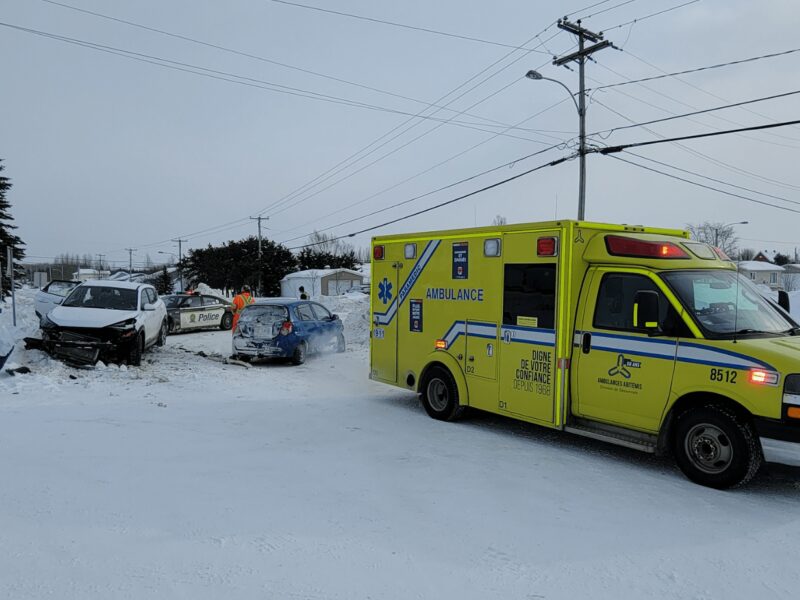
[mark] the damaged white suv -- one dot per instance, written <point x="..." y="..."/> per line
<point x="109" y="320"/>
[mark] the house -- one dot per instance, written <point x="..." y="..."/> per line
<point x="88" y="274"/>
<point x="762" y="272"/>
<point x="320" y="282"/>
<point x="766" y="256"/>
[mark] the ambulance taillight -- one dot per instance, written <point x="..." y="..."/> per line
<point x="623" y="246"/>
<point x="547" y="246"/>
<point x="378" y="253"/>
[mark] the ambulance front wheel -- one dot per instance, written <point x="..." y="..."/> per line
<point x="716" y="447"/>
<point x="440" y="395"/>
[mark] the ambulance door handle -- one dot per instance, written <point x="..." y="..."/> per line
<point x="460" y="356"/>
<point x="586" y="342"/>
<point x="471" y="359"/>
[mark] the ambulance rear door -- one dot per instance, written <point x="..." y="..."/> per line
<point x="527" y="337"/>
<point x="385" y="306"/>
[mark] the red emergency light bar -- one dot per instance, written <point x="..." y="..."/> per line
<point x="624" y="246"/>
<point x="377" y="252"/>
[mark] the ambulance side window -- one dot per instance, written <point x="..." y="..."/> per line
<point x="614" y="308"/>
<point x="529" y="295"/>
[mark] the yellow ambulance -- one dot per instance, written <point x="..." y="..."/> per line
<point x="633" y="335"/>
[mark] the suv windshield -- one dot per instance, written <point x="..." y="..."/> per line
<point x="724" y="303"/>
<point x="90" y="296"/>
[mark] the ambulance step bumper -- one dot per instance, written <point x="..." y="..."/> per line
<point x="614" y="435"/>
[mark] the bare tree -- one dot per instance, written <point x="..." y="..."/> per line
<point x="717" y="234"/>
<point x="499" y="220"/>
<point x="790" y="281"/>
<point x="327" y="243"/>
<point x="747" y="254"/>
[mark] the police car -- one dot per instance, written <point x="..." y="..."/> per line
<point x="188" y="312"/>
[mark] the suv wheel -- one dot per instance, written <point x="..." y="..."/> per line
<point x="136" y="351"/>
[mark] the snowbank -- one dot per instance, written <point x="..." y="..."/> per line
<point x="353" y="310"/>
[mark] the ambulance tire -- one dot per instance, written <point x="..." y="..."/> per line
<point x="716" y="447"/>
<point x="440" y="395"/>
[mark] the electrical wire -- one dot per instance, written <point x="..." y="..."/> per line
<point x="282" y="204"/>
<point x="699" y="69"/>
<point x="610" y="8"/>
<point x="441" y="204"/>
<point x="261" y="58"/>
<point x="244" y="80"/>
<point x="415" y="198"/>
<point x="621" y="147"/>
<point x="401" y="25"/>
<point x="702" y="185"/>
<point x="697" y="112"/>
<point x="682" y="103"/>
<point x="733" y="185"/>
<point x="727" y="166"/>
<point x="655" y="14"/>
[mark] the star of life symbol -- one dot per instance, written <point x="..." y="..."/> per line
<point x="385" y="290"/>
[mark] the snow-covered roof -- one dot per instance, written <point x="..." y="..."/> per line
<point x="319" y="273"/>
<point x="757" y="265"/>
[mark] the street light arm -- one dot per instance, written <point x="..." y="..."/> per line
<point x="571" y="95"/>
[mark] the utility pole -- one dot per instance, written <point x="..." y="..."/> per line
<point x="258" y="219"/>
<point x="580" y="57"/>
<point x="100" y="258"/>
<point x="130" y="261"/>
<point x="180" y="260"/>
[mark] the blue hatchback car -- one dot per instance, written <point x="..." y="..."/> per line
<point x="286" y="328"/>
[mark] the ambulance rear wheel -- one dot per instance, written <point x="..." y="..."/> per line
<point x="716" y="447"/>
<point x="440" y="395"/>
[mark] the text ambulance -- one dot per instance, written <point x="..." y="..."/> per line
<point x="637" y="336"/>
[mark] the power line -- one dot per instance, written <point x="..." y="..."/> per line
<point x="699" y="69"/>
<point x="655" y="14"/>
<point x="445" y="203"/>
<point x="696" y="87"/>
<point x="415" y="198"/>
<point x="727" y="166"/>
<point x="366" y="151"/>
<point x="682" y="103"/>
<point x="698" y="112"/>
<point x="259" y="58"/>
<point x="621" y="147"/>
<point x="244" y="80"/>
<point x="402" y="25"/>
<point x="702" y="185"/>
<point x="605" y="10"/>
<point x="733" y="185"/>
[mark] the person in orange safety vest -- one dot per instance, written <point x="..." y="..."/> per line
<point x="241" y="300"/>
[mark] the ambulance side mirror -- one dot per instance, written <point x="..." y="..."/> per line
<point x="783" y="300"/>
<point x="645" y="310"/>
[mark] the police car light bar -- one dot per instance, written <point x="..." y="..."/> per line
<point x="623" y="246"/>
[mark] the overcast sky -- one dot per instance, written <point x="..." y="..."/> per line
<point x="106" y="152"/>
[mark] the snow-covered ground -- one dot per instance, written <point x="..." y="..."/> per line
<point x="190" y="478"/>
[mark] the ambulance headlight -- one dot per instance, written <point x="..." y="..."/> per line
<point x="791" y="390"/>
<point x="491" y="247"/>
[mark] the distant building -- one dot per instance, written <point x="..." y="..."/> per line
<point x="88" y="274"/>
<point x="321" y="282"/>
<point x="762" y="272"/>
<point x="766" y="256"/>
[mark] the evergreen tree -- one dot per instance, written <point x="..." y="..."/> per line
<point x="7" y="236"/>
<point x="164" y="282"/>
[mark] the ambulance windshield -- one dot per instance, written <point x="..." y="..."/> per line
<point x="725" y="303"/>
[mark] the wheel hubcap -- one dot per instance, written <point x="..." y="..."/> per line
<point x="438" y="395"/>
<point x="709" y="448"/>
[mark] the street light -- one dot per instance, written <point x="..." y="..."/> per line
<point x="536" y="76"/>
<point x="716" y="230"/>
